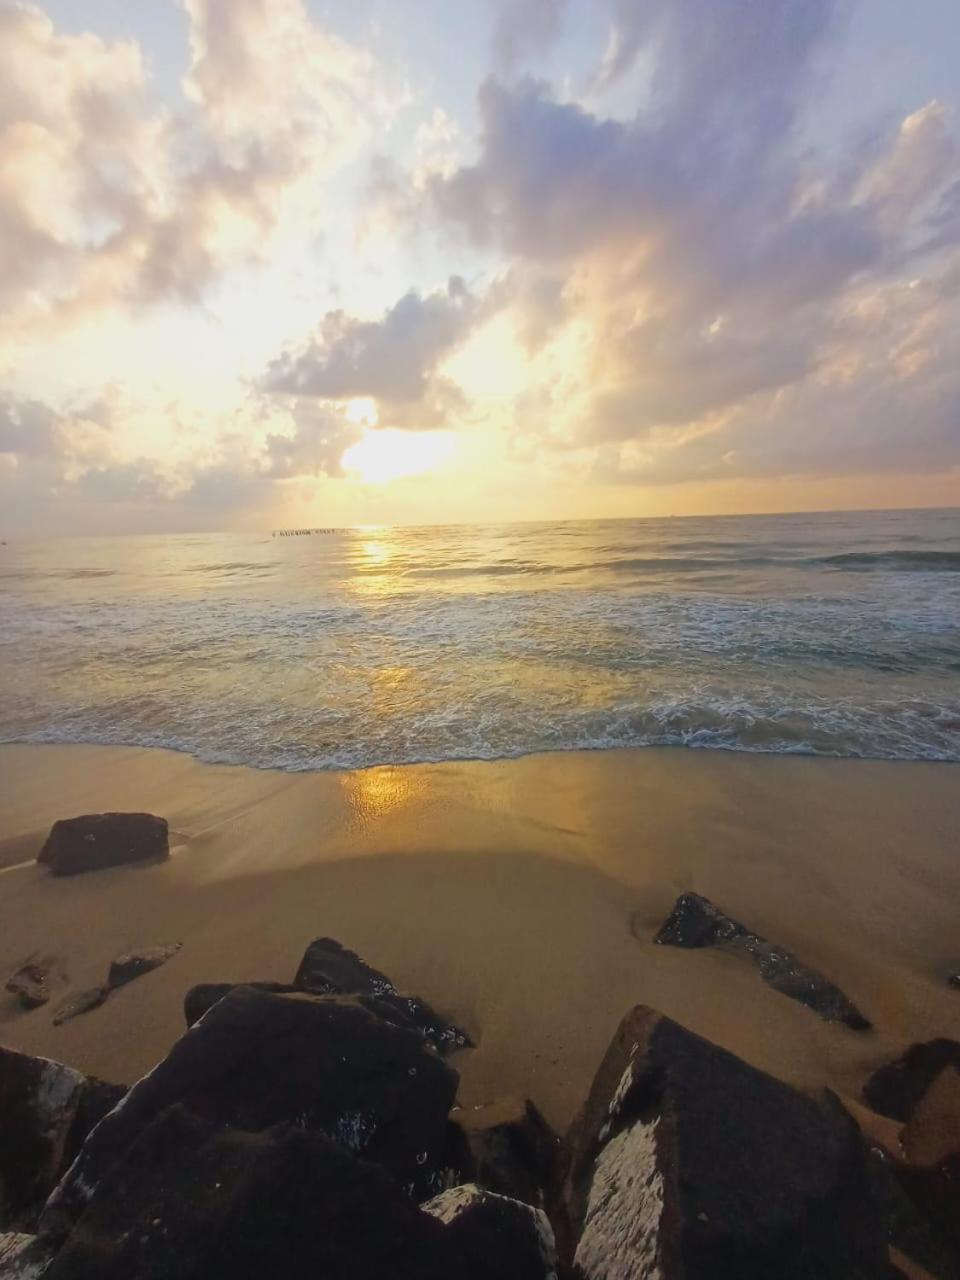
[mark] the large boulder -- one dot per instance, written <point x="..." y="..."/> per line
<point x="323" y="1063"/>
<point x="191" y="1200"/>
<point x="696" y="922"/>
<point x="507" y="1147"/>
<point x="504" y="1237"/>
<point x="97" y="840"/>
<point x="46" y="1111"/>
<point x="895" y="1088"/>
<point x="686" y="1162"/>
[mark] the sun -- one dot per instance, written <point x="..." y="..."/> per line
<point x="391" y="454"/>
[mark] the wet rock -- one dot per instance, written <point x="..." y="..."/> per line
<point x="696" y="922"/>
<point x="23" y="1257"/>
<point x="98" y="840"/>
<point x="328" y="966"/>
<point x="133" y="964"/>
<point x="39" y="1101"/>
<point x="35" y="981"/>
<point x="80" y="1002"/>
<point x="895" y="1088"/>
<point x="507" y="1148"/>
<point x="324" y="1063"/>
<point x="687" y="1162"/>
<point x="505" y="1237"/>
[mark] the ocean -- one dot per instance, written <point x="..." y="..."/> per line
<point x="828" y="634"/>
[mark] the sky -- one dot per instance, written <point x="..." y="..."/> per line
<point x="267" y="263"/>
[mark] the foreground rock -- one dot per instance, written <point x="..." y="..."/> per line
<point x="133" y="964"/>
<point x="895" y="1088"/>
<point x="191" y="1199"/>
<point x="696" y="922"/>
<point x="22" y="1257"/>
<point x="324" y="1063"/>
<point x="98" y="840"/>
<point x="931" y="1143"/>
<point x="507" y="1147"/>
<point x="688" y="1163"/>
<point x="508" y="1238"/>
<point x="328" y="968"/>
<point x="46" y="1111"/>
<point x="35" y="981"/>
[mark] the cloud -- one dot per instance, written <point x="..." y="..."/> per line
<point x="718" y="278"/>
<point x="525" y="27"/>
<point x="393" y="360"/>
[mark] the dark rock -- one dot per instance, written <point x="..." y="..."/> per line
<point x="46" y="1111"/>
<point x="506" y="1237"/>
<point x="686" y="1162"/>
<point x="34" y="982"/>
<point x="135" y="963"/>
<point x="508" y="1148"/>
<point x="904" y="1208"/>
<point x="696" y="922"/>
<point x="99" y="840"/>
<point x="931" y="1143"/>
<point x="80" y="1002"/>
<point x="324" y="1063"/>
<point x="190" y="1200"/>
<point x="896" y="1088"/>
<point x="328" y="966"/>
<point x="204" y="996"/>
<point x="954" y="979"/>
<point x="23" y="1257"/>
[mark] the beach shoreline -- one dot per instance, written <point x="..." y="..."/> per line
<point x="520" y="897"/>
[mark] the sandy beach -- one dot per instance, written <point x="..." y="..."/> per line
<point x="520" y="897"/>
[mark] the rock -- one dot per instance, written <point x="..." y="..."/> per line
<point x="99" y="840"/>
<point x="509" y="1148"/>
<point x="324" y="1063"/>
<point x="953" y="979"/>
<point x="190" y="1199"/>
<point x="328" y="966"/>
<point x="80" y="1002"/>
<point x="204" y="996"/>
<point x="901" y="1201"/>
<point x="696" y="922"/>
<point x="132" y="964"/>
<point x="687" y="1162"/>
<point x="23" y="1257"/>
<point x="46" y="1112"/>
<point x="896" y="1088"/>
<point x="509" y="1238"/>
<point x="932" y="1135"/>
<point x="34" y="982"/>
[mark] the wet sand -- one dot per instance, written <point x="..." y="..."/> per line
<point x="520" y="897"/>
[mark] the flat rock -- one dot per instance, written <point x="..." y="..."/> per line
<point x="510" y="1238"/>
<point x="895" y="1088"/>
<point x="696" y="922"/>
<point x="133" y="964"/>
<point x="36" y="980"/>
<point x="328" y="966"/>
<point x="80" y="1002"/>
<point x="190" y="1199"/>
<point x="686" y="1162"/>
<point x="324" y="1063"/>
<point x="46" y="1111"/>
<point x="97" y="840"/>
<point x="507" y="1148"/>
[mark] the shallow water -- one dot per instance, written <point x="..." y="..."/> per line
<point x="832" y="634"/>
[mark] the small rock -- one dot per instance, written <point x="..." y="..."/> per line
<point x="696" y="922"/>
<point x="896" y="1088"/>
<point x="135" y="963"/>
<point x="81" y="1002"/>
<point x="686" y="1162"/>
<point x="323" y="1063"/>
<point x="511" y="1238"/>
<point x="34" y="982"/>
<point x="98" y="840"/>
<point x="953" y="979"/>
<point x="509" y="1148"/>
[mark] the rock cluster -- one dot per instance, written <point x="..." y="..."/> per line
<point x="312" y="1129"/>
<point x="696" y="922"/>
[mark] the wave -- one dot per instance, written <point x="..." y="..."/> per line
<point x="900" y="560"/>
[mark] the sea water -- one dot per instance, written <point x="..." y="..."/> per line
<point x="831" y="634"/>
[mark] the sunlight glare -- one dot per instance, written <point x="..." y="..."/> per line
<point x="391" y="454"/>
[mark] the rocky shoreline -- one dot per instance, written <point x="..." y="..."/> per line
<point x="312" y="1128"/>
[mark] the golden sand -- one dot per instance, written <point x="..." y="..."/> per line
<point x="519" y="897"/>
